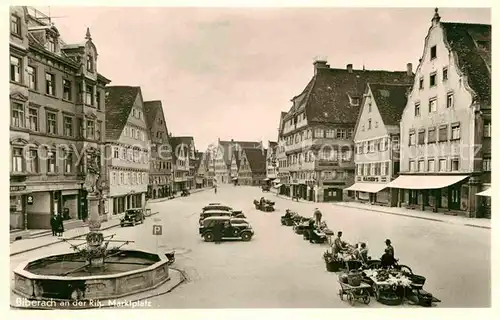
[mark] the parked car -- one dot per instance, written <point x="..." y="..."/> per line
<point x="213" y="213"/>
<point x="233" y="228"/>
<point x="217" y="206"/>
<point x="132" y="217"/>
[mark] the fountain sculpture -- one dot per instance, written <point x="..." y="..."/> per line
<point x="93" y="271"/>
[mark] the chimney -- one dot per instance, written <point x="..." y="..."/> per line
<point x="409" y="69"/>
<point x="349" y="68"/>
<point x="320" y="64"/>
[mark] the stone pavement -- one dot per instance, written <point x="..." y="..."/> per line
<point x="417" y="214"/>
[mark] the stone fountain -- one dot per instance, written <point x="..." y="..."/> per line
<point x="94" y="271"/>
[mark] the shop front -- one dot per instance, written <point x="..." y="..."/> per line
<point x="18" y="202"/>
<point x="484" y="210"/>
<point x="374" y="193"/>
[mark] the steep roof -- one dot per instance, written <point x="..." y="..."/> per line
<point x="472" y="45"/>
<point x="151" y="109"/>
<point x="326" y="96"/>
<point x="391" y="101"/>
<point x="180" y="142"/>
<point x="229" y="146"/>
<point x="119" y="102"/>
<point x="272" y="144"/>
<point x="256" y="159"/>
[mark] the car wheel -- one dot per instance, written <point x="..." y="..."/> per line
<point x="246" y="236"/>
<point x="209" y="237"/>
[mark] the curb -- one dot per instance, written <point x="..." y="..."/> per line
<point x="70" y="238"/>
<point x="413" y="216"/>
<point x="159" y="200"/>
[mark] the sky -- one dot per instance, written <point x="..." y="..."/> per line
<point x="228" y="72"/>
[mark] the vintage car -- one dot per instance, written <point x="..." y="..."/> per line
<point x="213" y="213"/>
<point x="266" y="188"/>
<point x="232" y="228"/>
<point x="216" y="206"/>
<point x="132" y="217"/>
<point x="267" y="205"/>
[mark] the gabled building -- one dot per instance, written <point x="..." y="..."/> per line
<point x="57" y="120"/>
<point x="271" y="165"/>
<point x="160" y="171"/>
<point x="376" y="140"/>
<point x="282" y="183"/>
<point x="446" y="125"/>
<point x="252" y="169"/>
<point x="200" y="170"/>
<point x="183" y="160"/>
<point x="319" y="127"/>
<point x="223" y="156"/>
<point x="235" y="166"/>
<point x="128" y="145"/>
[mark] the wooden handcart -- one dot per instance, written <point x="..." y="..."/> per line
<point x="354" y="293"/>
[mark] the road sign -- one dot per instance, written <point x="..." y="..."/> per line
<point x="157" y="230"/>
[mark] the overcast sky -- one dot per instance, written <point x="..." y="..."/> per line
<point x="227" y="73"/>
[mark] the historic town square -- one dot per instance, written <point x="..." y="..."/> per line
<point x="214" y="166"/>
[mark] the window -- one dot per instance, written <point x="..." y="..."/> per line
<point x="50" y="84"/>
<point x="386" y="168"/>
<point x="66" y="89"/>
<point x="122" y="178"/>
<point x="51" y="123"/>
<point x="51" y="45"/>
<point x="98" y="99"/>
<point x="371" y="146"/>
<point x="15" y="25"/>
<point x="421" y="83"/>
<point x="32" y="83"/>
<point x="455" y="132"/>
<point x="90" y="63"/>
<point x="341" y="133"/>
<point x="486" y="164"/>
<point x="17" y="115"/>
<point x="369" y="124"/>
<point x="487" y="129"/>
<point x="98" y="130"/>
<point x="51" y="161"/>
<point x="68" y="126"/>
<point x="432" y="105"/>
<point x="365" y="169"/>
<point x="318" y="133"/>
<point x="329" y="133"/>
<point x="90" y="129"/>
<point x="350" y="133"/>
<point x="68" y="162"/>
<point x="443" y="133"/>
<point x="431" y="135"/>
<point x="377" y="145"/>
<point x="129" y="178"/>
<point x="412" y="139"/>
<point x="442" y="165"/>
<point x="421" y="166"/>
<point x="432" y="81"/>
<point x="449" y="100"/>
<point x="113" y="178"/>
<point x="412" y="166"/>
<point x="431" y="165"/>
<point x="433" y="52"/>
<point x="359" y="169"/>
<point x="445" y="73"/>
<point x="124" y="154"/>
<point x="89" y="95"/>
<point x="116" y="153"/>
<point x="33" y="161"/>
<point x="417" y="109"/>
<point x="421" y="137"/>
<point x="15" y="69"/>
<point x="17" y="160"/>
<point x="33" y="119"/>
<point x="455" y="164"/>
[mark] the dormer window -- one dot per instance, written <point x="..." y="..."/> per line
<point x="15" y="25"/>
<point x="51" y="45"/>
<point x="90" y="63"/>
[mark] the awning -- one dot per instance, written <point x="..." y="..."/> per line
<point x="485" y="193"/>
<point x="367" y="187"/>
<point x="278" y="186"/>
<point x="276" y="180"/>
<point x="424" y="182"/>
<point x="267" y="179"/>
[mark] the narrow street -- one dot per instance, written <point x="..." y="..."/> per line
<point x="278" y="269"/>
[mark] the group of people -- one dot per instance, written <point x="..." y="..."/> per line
<point x="360" y="251"/>
<point x="57" y="224"/>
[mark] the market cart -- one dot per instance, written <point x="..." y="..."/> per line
<point x="354" y="293"/>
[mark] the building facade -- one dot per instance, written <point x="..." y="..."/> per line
<point x="446" y="125"/>
<point x="223" y="157"/>
<point x="57" y="120"/>
<point x="376" y="139"/>
<point x="160" y="182"/>
<point x="183" y="162"/>
<point x="282" y="183"/>
<point x="271" y="166"/>
<point x="128" y="148"/>
<point x="252" y="169"/>
<point x="319" y="127"/>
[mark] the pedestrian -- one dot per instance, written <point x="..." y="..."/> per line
<point x="215" y="189"/>
<point x="218" y="232"/>
<point x="338" y="245"/>
<point x="317" y="216"/>
<point x="387" y="260"/>
<point x="363" y="253"/>
<point x="60" y="225"/>
<point x="53" y="224"/>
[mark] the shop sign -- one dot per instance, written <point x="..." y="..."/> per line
<point x="372" y="179"/>
<point x="17" y="188"/>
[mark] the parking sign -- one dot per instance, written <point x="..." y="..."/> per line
<point x="157" y="230"/>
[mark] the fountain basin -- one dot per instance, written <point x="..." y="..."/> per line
<point x="61" y="277"/>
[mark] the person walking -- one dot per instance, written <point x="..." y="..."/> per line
<point x="317" y="216"/>
<point x="53" y="224"/>
<point x="215" y="189"/>
<point x="60" y="225"/>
